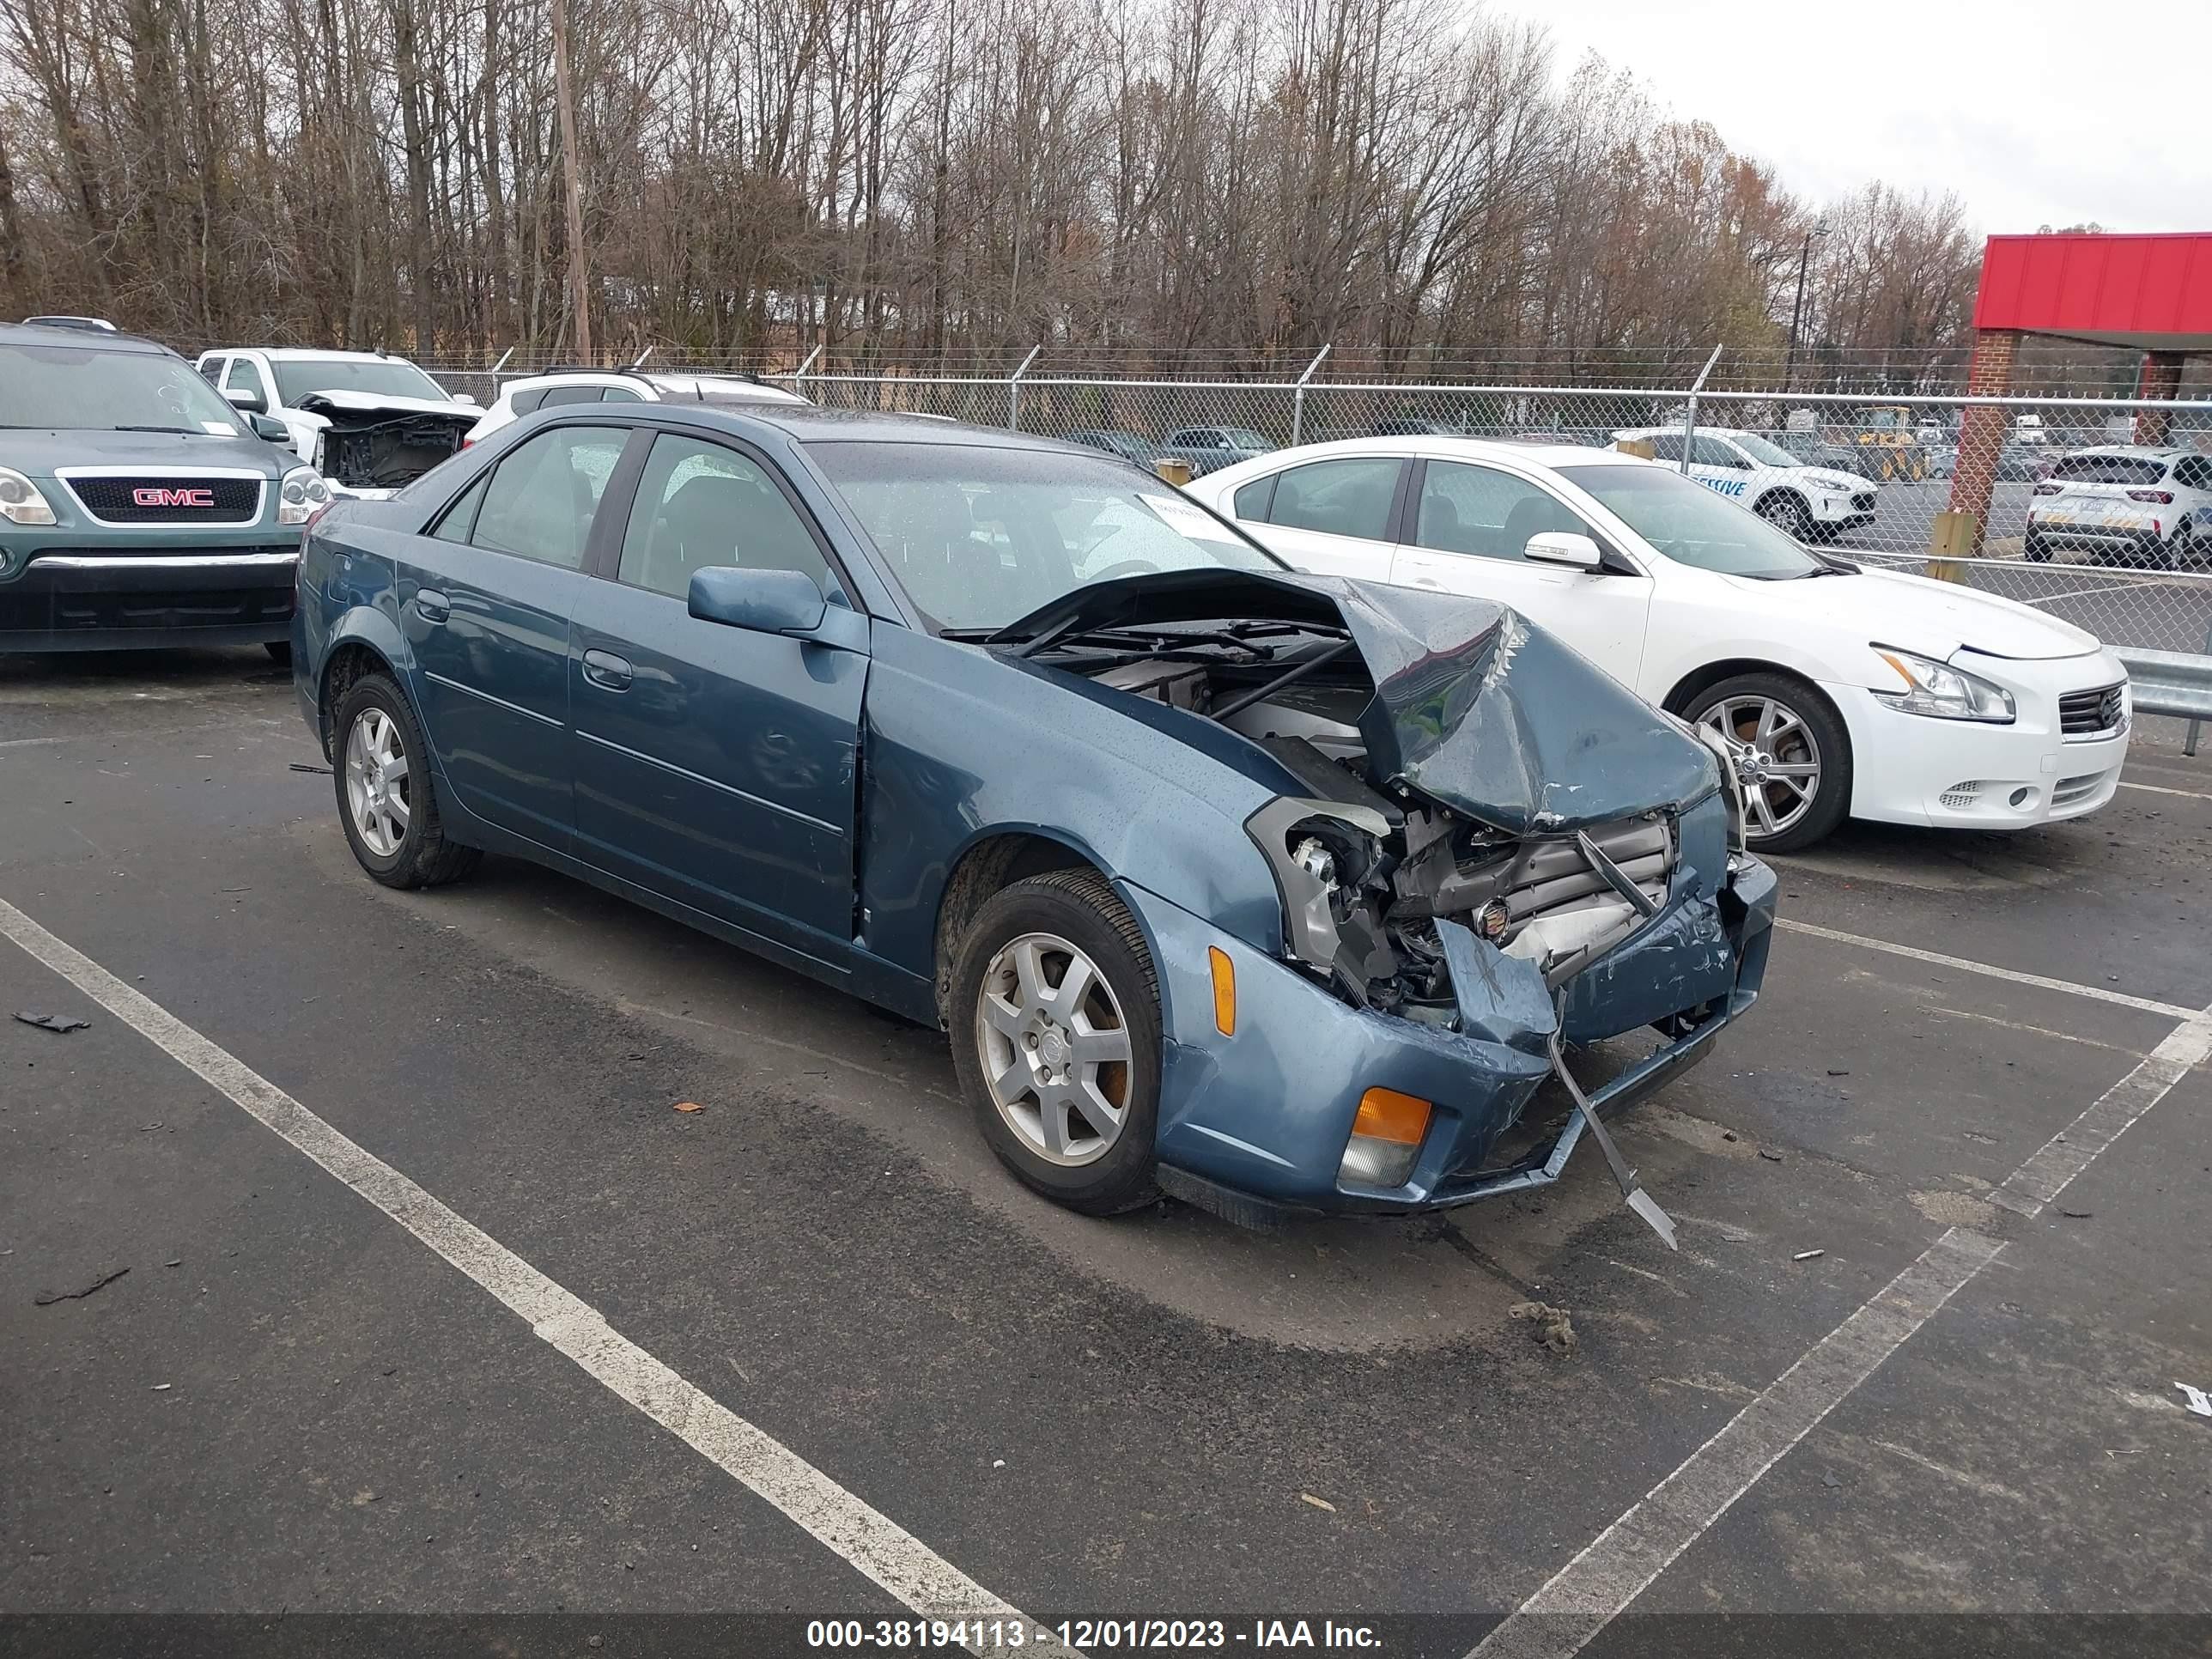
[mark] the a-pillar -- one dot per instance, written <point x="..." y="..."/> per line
<point x="1982" y="427"/>
<point x="2160" y="378"/>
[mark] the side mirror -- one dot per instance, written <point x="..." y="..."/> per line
<point x="239" y="397"/>
<point x="268" y="427"/>
<point x="468" y="398"/>
<point x="1564" y="547"/>
<point x="765" y="601"/>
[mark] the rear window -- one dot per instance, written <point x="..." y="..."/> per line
<point x="2108" y="470"/>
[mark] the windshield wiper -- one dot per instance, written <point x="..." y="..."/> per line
<point x="189" y="432"/>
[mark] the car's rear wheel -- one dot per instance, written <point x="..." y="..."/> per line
<point x="1056" y="1017"/>
<point x="1787" y="514"/>
<point x="2037" y="550"/>
<point x="280" y="652"/>
<point x="388" y="798"/>
<point x="1794" y="757"/>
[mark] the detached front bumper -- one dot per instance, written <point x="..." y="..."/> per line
<point x="1257" y="1121"/>
<point x="74" y="599"/>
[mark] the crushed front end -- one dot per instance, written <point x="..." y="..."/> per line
<point x="1485" y="850"/>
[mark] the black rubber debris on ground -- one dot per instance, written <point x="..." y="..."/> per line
<point x="48" y="1298"/>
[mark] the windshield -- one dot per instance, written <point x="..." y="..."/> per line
<point x="1691" y="525"/>
<point x="90" y="389"/>
<point x="298" y="377"/>
<point x="979" y="536"/>
<point x="2109" y="470"/>
<point x="1765" y="454"/>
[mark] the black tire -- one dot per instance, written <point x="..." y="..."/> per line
<point x="1832" y="795"/>
<point x="423" y="857"/>
<point x="1079" y="907"/>
<point x="280" y="652"/>
<point x="1787" y="514"/>
<point x="2034" y="549"/>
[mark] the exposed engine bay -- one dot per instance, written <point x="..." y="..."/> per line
<point x="383" y="449"/>
<point x="1367" y="863"/>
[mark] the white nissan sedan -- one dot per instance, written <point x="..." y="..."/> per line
<point x="1850" y="692"/>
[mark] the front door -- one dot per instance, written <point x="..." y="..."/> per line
<point x="485" y="604"/>
<point x="1467" y="529"/>
<point x="714" y="764"/>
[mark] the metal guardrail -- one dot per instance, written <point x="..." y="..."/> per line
<point x="2172" y="683"/>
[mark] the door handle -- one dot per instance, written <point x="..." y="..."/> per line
<point x="432" y="606"/>
<point x="607" y="670"/>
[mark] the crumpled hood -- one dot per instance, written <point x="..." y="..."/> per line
<point x="1474" y="706"/>
<point x="377" y="403"/>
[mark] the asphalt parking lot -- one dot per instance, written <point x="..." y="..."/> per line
<point x="562" y="1348"/>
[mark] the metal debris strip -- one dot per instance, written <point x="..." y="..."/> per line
<point x="2199" y="1401"/>
<point x="1632" y="1193"/>
<point x="61" y="1024"/>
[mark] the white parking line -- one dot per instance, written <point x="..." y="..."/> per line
<point x="872" y="1543"/>
<point x="1621" y="1562"/>
<point x="2154" y="789"/>
<point x="2171" y="1009"/>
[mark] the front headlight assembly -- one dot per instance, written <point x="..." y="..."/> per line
<point x="301" y="496"/>
<point x="19" y="501"/>
<point x="1942" y="692"/>
<point x="1324" y="855"/>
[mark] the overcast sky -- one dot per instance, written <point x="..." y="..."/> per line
<point x="2016" y="104"/>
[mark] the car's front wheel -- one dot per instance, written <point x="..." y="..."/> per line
<point x="2037" y="551"/>
<point x="1055" y="1018"/>
<point x="387" y="800"/>
<point x="1787" y="514"/>
<point x="1794" y="757"/>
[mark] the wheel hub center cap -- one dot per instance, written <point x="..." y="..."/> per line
<point x="1052" y="1046"/>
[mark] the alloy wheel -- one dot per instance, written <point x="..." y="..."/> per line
<point x="376" y="772"/>
<point x="1778" y="759"/>
<point x="1054" y="1047"/>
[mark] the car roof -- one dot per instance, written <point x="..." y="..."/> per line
<point x="82" y="339"/>
<point x="1703" y="430"/>
<point x="1432" y="445"/>
<point x="805" y="424"/>
<point x="295" y="354"/>
<point x="2130" y="452"/>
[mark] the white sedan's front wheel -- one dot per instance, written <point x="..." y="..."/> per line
<point x="1794" y="757"/>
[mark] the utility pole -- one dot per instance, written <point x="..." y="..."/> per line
<point x="564" y="96"/>
<point x="1820" y="228"/>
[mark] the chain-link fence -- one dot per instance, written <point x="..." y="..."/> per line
<point x="2095" y="539"/>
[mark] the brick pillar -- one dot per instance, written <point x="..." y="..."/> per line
<point x="2160" y="378"/>
<point x="1982" y="429"/>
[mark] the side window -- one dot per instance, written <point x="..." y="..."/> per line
<point x="2194" y="472"/>
<point x="540" y="498"/>
<point x="1712" y="452"/>
<point x="1349" y="497"/>
<point x="210" y="368"/>
<point x="1489" y="514"/>
<point x="699" y="504"/>
<point x="457" y="522"/>
<point x="526" y="403"/>
<point x="620" y="394"/>
<point x="244" y="377"/>
<point x="1667" y="446"/>
<point x="554" y="397"/>
<point x="1251" y="501"/>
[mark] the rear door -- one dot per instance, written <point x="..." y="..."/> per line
<point x="1335" y="516"/>
<point x="1466" y="531"/>
<point x="714" y="764"/>
<point x="485" y="600"/>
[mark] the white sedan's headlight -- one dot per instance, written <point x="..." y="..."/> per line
<point x="19" y="501"/>
<point x="302" y="493"/>
<point x="1942" y="692"/>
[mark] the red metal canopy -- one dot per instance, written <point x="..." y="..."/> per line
<point x="2150" y="293"/>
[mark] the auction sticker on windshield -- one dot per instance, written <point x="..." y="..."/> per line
<point x="1186" y="520"/>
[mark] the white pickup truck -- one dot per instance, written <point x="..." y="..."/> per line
<point x="369" y="423"/>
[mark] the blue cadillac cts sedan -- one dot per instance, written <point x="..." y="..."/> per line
<point x="1275" y="892"/>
